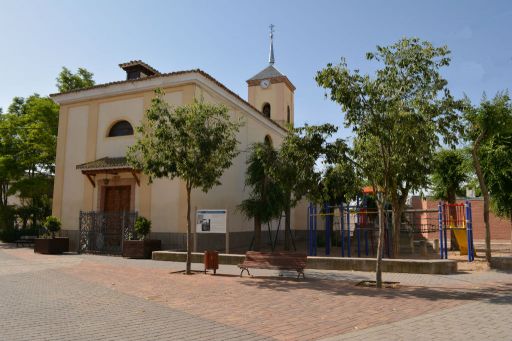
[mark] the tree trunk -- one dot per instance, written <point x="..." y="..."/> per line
<point x="189" y="233"/>
<point x="287" y="229"/>
<point x="510" y="230"/>
<point x="485" y="193"/>
<point x="397" y="222"/>
<point x="380" y="246"/>
<point x="257" y="234"/>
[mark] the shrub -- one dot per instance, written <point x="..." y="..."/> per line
<point x="142" y="227"/>
<point x="52" y="224"/>
<point x="8" y="231"/>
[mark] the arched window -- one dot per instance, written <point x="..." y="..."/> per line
<point x="288" y="114"/>
<point x="121" y="128"/>
<point x="266" y="110"/>
<point x="268" y="140"/>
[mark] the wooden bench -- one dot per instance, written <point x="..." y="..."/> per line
<point x="274" y="261"/>
<point x="25" y="240"/>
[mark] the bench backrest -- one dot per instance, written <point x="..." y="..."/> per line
<point x="28" y="237"/>
<point x="278" y="259"/>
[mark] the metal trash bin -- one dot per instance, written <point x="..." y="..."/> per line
<point x="211" y="260"/>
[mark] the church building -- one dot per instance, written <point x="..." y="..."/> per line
<point x="97" y="195"/>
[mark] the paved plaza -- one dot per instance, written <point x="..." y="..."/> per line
<point x="87" y="297"/>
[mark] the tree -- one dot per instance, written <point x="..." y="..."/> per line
<point x="398" y="115"/>
<point x="496" y="159"/>
<point x="194" y="142"/>
<point x="450" y="172"/>
<point x="28" y="137"/>
<point x="490" y="119"/>
<point x="67" y="81"/>
<point x="266" y="197"/>
<point x="295" y="167"/>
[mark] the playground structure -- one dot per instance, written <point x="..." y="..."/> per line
<point x="456" y="218"/>
<point x="354" y="229"/>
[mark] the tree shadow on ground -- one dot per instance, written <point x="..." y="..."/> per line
<point x="11" y="246"/>
<point x="497" y="294"/>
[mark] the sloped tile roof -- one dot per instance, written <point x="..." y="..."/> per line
<point x="141" y="63"/>
<point x="105" y="163"/>
<point x="268" y="72"/>
<point x="176" y="73"/>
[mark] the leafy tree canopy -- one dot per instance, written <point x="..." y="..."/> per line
<point x="489" y="120"/>
<point x="266" y="196"/>
<point x="194" y="142"/>
<point x="451" y="171"/>
<point x="68" y="81"/>
<point x="399" y="115"/>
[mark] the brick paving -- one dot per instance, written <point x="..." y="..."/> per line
<point x="85" y="297"/>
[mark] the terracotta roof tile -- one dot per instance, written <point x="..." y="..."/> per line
<point x="201" y="72"/>
<point x="139" y="62"/>
<point x="105" y="163"/>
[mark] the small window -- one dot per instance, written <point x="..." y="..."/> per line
<point x="288" y="114"/>
<point x="268" y="140"/>
<point x="266" y="110"/>
<point x="121" y="128"/>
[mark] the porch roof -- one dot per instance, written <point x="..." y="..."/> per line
<point x="105" y="163"/>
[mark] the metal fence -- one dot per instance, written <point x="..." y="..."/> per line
<point x="104" y="232"/>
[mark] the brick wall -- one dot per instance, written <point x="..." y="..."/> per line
<point x="500" y="228"/>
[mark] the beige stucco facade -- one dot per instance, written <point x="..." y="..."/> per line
<point x="85" y="120"/>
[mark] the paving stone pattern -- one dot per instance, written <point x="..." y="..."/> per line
<point x="85" y="297"/>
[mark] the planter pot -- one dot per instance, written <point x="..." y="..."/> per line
<point x="51" y="246"/>
<point x="141" y="248"/>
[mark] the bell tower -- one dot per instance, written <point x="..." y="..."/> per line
<point x="271" y="92"/>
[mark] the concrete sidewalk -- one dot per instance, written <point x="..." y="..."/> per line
<point x="86" y="297"/>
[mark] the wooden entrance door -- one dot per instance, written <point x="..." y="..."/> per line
<point x="117" y="199"/>
<point x="116" y="205"/>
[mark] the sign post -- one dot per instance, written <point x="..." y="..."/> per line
<point x="212" y="221"/>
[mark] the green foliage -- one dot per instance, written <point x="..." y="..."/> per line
<point x="28" y="138"/>
<point x="266" y="199"/>
<point x="399" y="115"/>
<point x="295" y="169"/>
<point x="496" y="158"/>
<point x="8" y="232"/>
<point x="142" y="227"/>
<point x="451" y="170"/>
<point x="67" y="81"/>
<point x="52" y="224"/>
<point x="194" y="142"/>
<point x="28" y="143"/>
<point x="489" y="120"/>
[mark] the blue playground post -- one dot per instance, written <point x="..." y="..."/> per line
<point x="358" y="230"/>
<point x="348" y="230"/>
<point x="387" y="231"/>
<point x="440" y="218"/>
<point x="469" y="231"/>
<point x="328" y="219"/>
<point x="366" y="241"/>
<point x="342" y="229"/>
<point x="445" y="231"/>
<point x="314" y="230"/>
<point x="310" y="225"/>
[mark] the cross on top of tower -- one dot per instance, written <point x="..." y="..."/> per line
<point x="271" y="54"/>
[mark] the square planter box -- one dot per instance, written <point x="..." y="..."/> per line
<point x="141" y="248"/>
<point x="51" y="246"/>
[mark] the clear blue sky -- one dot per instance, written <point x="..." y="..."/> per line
<point x="229" y="40"/>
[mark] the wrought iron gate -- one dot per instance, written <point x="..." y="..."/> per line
<point x="104" y="232"/>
